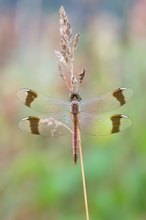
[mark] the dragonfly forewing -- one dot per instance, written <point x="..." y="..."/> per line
<point x="41" y="103"/>
<point x="107" y="102"/>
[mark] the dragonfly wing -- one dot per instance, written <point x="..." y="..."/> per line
<point x="40" y="103"/>
<point x="107" y="102"/>
<point x="103" y="124"/>
<point x="49" y="127"/>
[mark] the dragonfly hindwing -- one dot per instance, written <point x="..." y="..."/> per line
<point x="103" y="124"/>
<point x="46" y="127"/>
<point x="119" y="123"/>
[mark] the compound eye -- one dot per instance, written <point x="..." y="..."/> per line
<point x="70" y="98"/>
<point x="79" y="97"/>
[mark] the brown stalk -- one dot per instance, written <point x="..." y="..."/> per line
<point x="66" y="58"/>
<point x="83" y="176"/>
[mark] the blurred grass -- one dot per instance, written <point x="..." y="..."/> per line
<point x="37" y="178"/>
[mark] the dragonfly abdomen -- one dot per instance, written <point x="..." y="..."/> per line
<point x="75" y="113"/>
<point x="75" y="138"/>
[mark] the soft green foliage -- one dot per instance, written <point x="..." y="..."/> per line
<point x="38" y="180"/>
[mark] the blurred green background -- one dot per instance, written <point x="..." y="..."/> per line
<point x="38" y="180"/>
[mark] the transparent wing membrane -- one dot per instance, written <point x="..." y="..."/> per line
<point x="41" y="103"/>
<point x="49" y="127"/>
<point x="104" y="124"/>
<point x="107" y="102"/>
<point x="91" y="121"/>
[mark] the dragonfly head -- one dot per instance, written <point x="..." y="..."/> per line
<point x="74" y="97"/>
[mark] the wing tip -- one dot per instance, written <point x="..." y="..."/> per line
<point x="127" y="90"/>
<point x="20" y="93"/>
<point x="119" y="123"/>
<point x="29" y="124"/>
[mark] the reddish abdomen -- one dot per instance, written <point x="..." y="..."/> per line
<point x="75" y="139"/>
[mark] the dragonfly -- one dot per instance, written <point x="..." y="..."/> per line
<point x="64" y="117"/>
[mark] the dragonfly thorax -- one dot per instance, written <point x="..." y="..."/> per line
<point x="75" y="107"/>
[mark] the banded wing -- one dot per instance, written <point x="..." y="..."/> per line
<point x="49" y="127"/>
<point x="104" y="124"/>
<point x="40" y="103"/>
<point x="107" y="102"/>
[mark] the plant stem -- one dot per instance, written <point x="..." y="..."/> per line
<point x="83" y="176"/>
